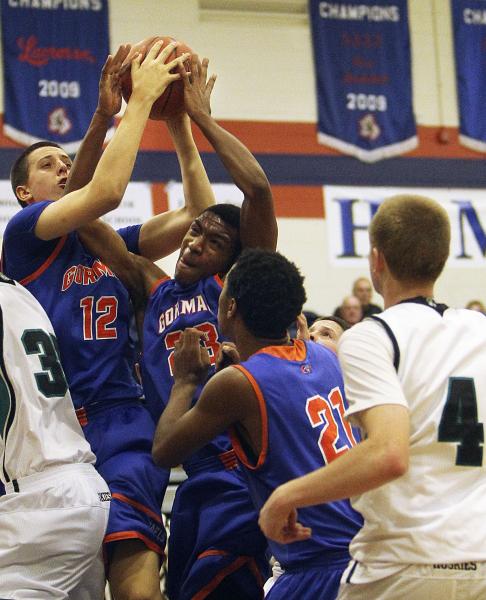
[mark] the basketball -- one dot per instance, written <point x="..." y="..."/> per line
<point x="171" y="102"/>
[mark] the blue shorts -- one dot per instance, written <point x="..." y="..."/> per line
<point x="319" y="582"/>
<point x="121" y="435"/>
<point x="215" y="538"/>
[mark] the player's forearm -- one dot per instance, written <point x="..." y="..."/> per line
<point x="89" y="153"/>
<point x="198" y="193"/>
<point x="165" y="449"/>
<point x="102" y="241"/>
<point x="364" y="467"/>
<point x="240" y="163"/>
<point x="115" y="166"/>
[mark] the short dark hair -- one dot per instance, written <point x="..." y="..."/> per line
<point x="19" y="173"/>
<point x="341" y="322"/>
<point x="269" y="292"/>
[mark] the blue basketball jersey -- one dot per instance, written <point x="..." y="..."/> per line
<point x="300" y="392"/>
<point x="170" y="309"/>
<point x="87" y="304"/>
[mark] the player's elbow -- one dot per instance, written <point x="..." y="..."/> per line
<point x="161" y="455"/>
<point x="394" y="461"/>
<point x="258" y="187"/>
<point x="106" y="195"/>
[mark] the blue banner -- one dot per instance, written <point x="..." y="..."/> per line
<point x="363" y="77"/>
<point x="469" y="25"/>
<point x="53" y="52"/>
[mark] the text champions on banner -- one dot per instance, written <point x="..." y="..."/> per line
<point x="469" y="25"/>
<point x="349" y="211"/>
<point x="53" y="54"/>
<point x="363" y="77"/>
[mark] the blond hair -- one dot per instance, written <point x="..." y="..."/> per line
<point x="413" y="233"/>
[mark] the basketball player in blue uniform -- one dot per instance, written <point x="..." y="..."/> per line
<point x="216" y="549"/>
<point x="285" y="394"/>
<point x="89" y="309"/>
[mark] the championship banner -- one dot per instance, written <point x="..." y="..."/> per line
<point x="469" y="25"/>
<point x="349" y="211"/>
<point x="53" y="52"/>
<point x="363" y="77"/>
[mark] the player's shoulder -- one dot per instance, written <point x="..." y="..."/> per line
<point x="23" y="218"/>
<point x="464" y="317"/>
<point x="161" y="286"/>
<point x="361" y="337"/>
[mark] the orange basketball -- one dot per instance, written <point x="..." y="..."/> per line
<point x="171" y="102"/>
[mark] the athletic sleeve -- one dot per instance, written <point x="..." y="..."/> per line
<point x="370" y="379"/>
<point x="130" y="236"/>
<point x="23" y="251"/>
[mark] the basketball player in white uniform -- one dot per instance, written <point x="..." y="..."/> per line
<point x="55" y="510"/>
<point x="415" y="380"/>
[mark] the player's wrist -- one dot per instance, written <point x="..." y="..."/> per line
<point x="186" y="383"/>
<point x="102" y="115"/>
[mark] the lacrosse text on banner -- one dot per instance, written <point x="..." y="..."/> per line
<point x="363" y="77"/>
<point x="53" y="54"/>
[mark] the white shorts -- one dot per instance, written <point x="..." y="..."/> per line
<point x="52" y="530"/>
<point x="461" y="581"/>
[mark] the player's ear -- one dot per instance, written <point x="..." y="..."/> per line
<point x="24" y="194"/>
<point x="376" y="260"/>
<point x="232" y="308"/>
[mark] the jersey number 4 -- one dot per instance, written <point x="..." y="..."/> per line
<point x="459" y="422"/>
<point x="336" y="436"/>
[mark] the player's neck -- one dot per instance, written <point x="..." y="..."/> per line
<point x="395" y="291"/>
<point x="248" y="344"/>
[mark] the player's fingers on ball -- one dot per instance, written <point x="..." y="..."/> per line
<point x="121" y="55"/>
<point x="195" y="65"/>
<point x="106" y="66"/>
<point x="136" y="60"/>
<point x="204" y="67"/>
<point x="210" y="84"/>
<point x="178" y="61"/>
<point x="157" y="52"/>
<point x="166" y="51"/>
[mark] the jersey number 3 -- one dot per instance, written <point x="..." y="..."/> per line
<point x="210" y="342"/>
<point x="459" y="422"/>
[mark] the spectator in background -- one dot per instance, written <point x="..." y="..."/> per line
<point x="476" y="305"/>
<point x="350" y="310"/>
<point x="363" y="290"/>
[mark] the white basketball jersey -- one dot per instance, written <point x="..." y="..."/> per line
<point x="432" y="361"/>
<point x="38" y="426"/>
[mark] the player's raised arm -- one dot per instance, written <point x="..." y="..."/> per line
<point x="106" y="189"/>
<point x="162" y="234"/>
<point x="138" y="274"/>
<point x="109" y="104"/>
<point x="258" y="226"/>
